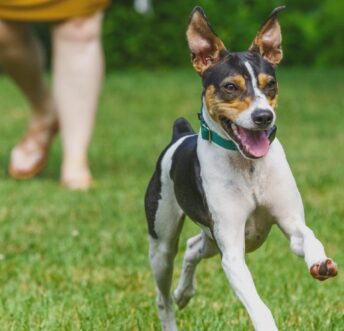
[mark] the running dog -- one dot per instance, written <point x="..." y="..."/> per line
<point x="232" y="178"/>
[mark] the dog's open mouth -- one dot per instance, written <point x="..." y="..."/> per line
<point x="252" y="143"/>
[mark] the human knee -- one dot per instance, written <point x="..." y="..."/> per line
<point x="81" y="29"/>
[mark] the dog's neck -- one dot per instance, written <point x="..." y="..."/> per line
<point x="211" y="123"/>
<point x="217" y="129"/>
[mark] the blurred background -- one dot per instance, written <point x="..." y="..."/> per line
<point x="312" y="30"/>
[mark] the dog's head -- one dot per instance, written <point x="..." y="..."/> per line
<point x="240" y="89"/>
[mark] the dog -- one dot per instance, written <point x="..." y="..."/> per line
<point x="232" y="178"/>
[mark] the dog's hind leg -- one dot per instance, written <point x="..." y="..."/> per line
<point x="163" y="249"/>
<point x="165" y="221"/>
<point x="198" y="248"/>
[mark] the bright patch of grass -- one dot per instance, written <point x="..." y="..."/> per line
<point x="78" y="261"/>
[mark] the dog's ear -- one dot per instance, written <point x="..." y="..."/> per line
<point x="205" y="46"/>
<point x="268" y="40"/>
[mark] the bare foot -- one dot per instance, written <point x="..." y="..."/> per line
<point x="324" y="270"/>
<point x="29" y="156"/>
<point x="76" y="178"/>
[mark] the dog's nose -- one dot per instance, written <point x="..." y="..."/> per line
<point x="262" y="117"/>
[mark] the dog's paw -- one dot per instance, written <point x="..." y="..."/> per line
<point x="324" y="270"/>
<point x="182" y="297"/>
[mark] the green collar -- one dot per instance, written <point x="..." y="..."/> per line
<point x="212" y="136"/>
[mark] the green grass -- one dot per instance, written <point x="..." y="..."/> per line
<point x="78" y="261"/>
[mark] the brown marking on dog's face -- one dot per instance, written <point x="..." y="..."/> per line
<point x="219" y="68"/>
<point x="263" y="80"/>
<point x="269" y="86"/>
<point x="273" y="101"/>
<point x="238" y="80"/>
<point x="221" y="102"/>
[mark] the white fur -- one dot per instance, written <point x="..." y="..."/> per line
<point x="198" y="247"/>
<point x="260" y="102"/>
<point x="162" y="251"/>
<point x="245" y="197"/>
<point x="233" y="194"/>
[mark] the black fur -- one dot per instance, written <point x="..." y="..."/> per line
<point x="234" y="64"/>
<point x="185" y="173"/>
<point x="181" y="127"/>
<point x="152" y="197"/>
<point x="153" y="194"/>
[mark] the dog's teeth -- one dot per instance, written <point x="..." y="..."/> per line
<point x="234" y="128"/>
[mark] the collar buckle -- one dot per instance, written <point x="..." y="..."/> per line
<point x="206" y="132"/>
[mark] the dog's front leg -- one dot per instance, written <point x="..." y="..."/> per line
<point x="286" y="206"/>
<point x="304" y="243"/>
<point x="229" y="232"/>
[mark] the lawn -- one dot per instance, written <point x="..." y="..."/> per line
<point x="78" y="261"/>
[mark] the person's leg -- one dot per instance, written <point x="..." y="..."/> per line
<point x="21" y="57"/>
<point x="77" y="77"/>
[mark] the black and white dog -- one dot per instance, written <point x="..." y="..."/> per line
<point x="232" y="179"/>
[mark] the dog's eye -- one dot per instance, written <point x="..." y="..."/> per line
<point x="271" y="84"/>
<point x="231" y="87"/>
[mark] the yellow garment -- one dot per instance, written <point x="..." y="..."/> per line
<point x="48" y="10"/>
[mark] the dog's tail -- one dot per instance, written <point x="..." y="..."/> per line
<point x="181" y="127"/>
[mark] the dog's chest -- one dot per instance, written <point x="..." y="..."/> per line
<point x="208" y="182"/>
<point x="229" y="176"/>
<point x="234" y="183"/>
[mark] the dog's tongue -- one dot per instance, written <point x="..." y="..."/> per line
<point x="255" y="142"/>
